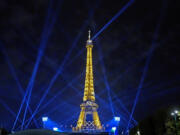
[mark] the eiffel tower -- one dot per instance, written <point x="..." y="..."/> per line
<point x="88" y="118"/>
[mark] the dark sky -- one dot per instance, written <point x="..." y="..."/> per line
<point x="119" y="56"/>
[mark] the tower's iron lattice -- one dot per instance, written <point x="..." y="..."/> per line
<point x="88" y="118"/>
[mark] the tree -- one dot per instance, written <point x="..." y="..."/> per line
<point x="172" y="126"/>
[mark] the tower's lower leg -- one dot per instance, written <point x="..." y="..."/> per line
<point x="88" y="108"/>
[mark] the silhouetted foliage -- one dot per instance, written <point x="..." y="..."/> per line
<point x="160" y="123"/>
<point x="3" y="131"/>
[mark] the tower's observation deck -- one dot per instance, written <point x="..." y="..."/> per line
<point x="88" y="107"/>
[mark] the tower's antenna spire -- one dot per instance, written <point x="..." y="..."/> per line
<point x="89" y="36"/>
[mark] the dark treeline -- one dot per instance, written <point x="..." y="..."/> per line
<point x="159" y="123"/>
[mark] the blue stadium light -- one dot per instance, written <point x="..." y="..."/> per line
<point x="55" y="129"/>
<point x="44" y="119"/>
<point x="113" y="129"/>
<point x="117" y="119"/>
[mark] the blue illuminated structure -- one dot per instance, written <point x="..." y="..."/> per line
<point x="49" y="124"/>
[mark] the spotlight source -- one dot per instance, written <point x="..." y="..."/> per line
<point x="117" y="119"/>
<point x="113" y="129"/>
<point x="44" y="119"/>
<point x="55" y="129"/>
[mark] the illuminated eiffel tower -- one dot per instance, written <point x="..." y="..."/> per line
<point x="88" y="118"/>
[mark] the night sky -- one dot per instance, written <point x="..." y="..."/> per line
<point x="146" y="32"/>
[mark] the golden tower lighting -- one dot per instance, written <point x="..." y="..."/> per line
<point x="88" y="107"/>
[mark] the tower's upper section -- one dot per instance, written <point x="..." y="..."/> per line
<point x="89" y="83"/>
<point x="89" y="41"/>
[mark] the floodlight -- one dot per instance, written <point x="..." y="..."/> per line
<point x="55" y="129"/>
<point x="117" y="119"/>
<point x="113" y="129"/>
<point x="44" y="119"/>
